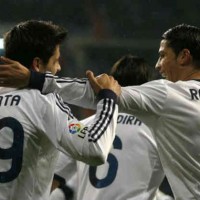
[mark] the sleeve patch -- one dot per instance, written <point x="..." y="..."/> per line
<point x="74" y="128"/>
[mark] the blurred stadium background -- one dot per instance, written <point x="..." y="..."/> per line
<point x="101" y="31"/>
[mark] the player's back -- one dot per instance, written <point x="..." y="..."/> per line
<point x="178" y="137"/>
<point x="27" y="156"/>
<point x="132" y="171"/>
<point x="172" y="110"/>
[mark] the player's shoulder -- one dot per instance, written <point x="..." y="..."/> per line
<point x="159" y="85"/>
<point x="35" y="97"/>
<point x="158" y="82"/>
<point x="189" y="83"/>
<point x="36" y="94"/>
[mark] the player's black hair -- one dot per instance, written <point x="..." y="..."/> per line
<point x="184" y="36"/>
<point x="33" y="38"/>
<point x="131" y="70"/>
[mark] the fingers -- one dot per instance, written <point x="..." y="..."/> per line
<point x="3" y="67"/>
<point x="93" y="81"/>
<point x="5" y="82"/>
<point x="13" y="74"/>
<point x="117" y="89"/>
<point x="103" y="81"/>
<point x="6" y="60"/>
<point x="90" y="74"/>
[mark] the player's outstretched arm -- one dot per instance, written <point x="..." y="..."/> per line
<point x="13" y="74"/>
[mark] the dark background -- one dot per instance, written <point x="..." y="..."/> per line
<point x="101" y="31"/>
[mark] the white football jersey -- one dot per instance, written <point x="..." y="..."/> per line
<point x="172" y="112"/>
<point x="160" y="196"/>
<point x="133" y="170"/>
<point x="58" y="194"/>
<point x="33" y="127"/>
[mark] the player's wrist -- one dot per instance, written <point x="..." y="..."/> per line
<point x="36" y="80"/>
<point x="107" y="93"/>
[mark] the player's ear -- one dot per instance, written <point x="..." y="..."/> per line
<point x="36" y="64"/>
<point x="184" y="57"/>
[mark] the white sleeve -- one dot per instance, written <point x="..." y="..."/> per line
<point x="144" y="100"/>
<point x="73" y="90"/>
<point x="161" y="196"/>
<point x="90" y="144"/>
<point x="57" y="194"/>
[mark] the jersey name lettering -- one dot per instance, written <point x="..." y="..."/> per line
<point x="128" y="119"/>
<point x="83" y="132"/>
<point x="195" y="94"/>
<point x="9" y="100"/>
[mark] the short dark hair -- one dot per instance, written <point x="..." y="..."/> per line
<point x="33" y="38"/>
<point x="131" y="70"/>
<point x="184" y="36"/>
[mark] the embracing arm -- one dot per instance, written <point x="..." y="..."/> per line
<point x="73" y="90"/>
<point x="13" y="74"/>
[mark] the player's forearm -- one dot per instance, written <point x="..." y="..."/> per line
<point x="97" y="151"/>
<point x="95" y="140"/>
<point x="73" y="90"/>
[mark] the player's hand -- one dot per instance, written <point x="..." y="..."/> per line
<point x="13" y="74"/>
<point x="103" y="81"/>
